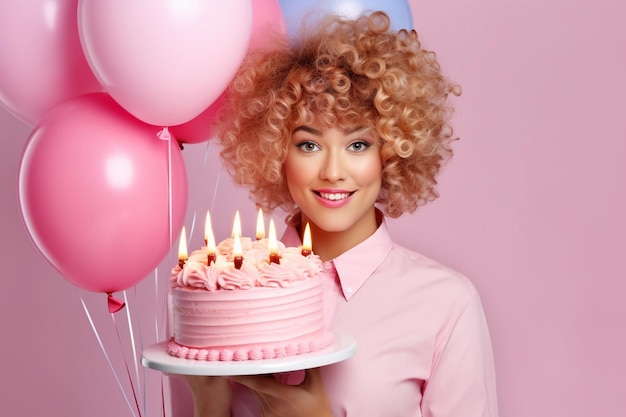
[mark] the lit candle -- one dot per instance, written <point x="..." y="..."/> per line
<point x="307" y="245"/>
<point x="182" y="249"/>
<point x="237" y="247"/>
<point x="272" y="245"/>
<point x="260" y="226"/>
<point x="237" y="252"/>
<point x="209" y="239"/>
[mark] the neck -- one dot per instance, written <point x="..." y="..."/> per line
<point x="330" y="244"/>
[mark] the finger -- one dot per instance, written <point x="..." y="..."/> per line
<point x="312" y="377"/>
<point x="260" y="384"/>
<point x="262" y="400"/>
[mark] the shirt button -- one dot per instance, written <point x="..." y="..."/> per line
<point x="349" y="290"/>
<point x="327" y="266"/>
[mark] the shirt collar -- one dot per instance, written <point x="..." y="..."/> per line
<point x="357" y="264"/>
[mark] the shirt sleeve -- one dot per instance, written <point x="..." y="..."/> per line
<point x="462" y="382"/>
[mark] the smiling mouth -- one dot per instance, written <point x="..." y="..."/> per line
<point x="333" y="196"/>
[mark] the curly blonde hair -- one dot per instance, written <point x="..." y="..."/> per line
<point x="346" y="73"/>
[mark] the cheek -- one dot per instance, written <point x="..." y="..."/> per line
<point x="369" y="172"/>
<point x="296" y="174"/>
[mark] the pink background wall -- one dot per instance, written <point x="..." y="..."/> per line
<point x="532" y="209"/>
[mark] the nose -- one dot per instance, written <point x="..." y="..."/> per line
<point x="333" y="168"/>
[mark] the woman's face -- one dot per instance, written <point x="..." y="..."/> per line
<point x="335" y="177"/>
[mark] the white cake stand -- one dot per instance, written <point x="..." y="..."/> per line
<point x="156" y="357"/>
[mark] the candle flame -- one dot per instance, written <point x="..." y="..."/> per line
<point x="237" y="247"/>
<point x="182" y="246"/>
<point x="208" y="227"/>
<point x="272" y="244"/>
<point x="260" y="226"/>
<point x="209" y="239"/>
<point x="307" y="244"/>
<point x="306" y="240"/>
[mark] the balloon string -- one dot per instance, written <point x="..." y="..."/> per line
<point x="162" y="397"/>
<point x="169" y="186"/>
<point x="106" y="355"/>
<point x="130" y="379"/>
<point x="169" y="191"/>
<point x="163" y="313"/>
<point x="131" y="333"/>
<point x="217" y="180"/>
<point x="164" y="134"/>
<point x="141" y="346"/>
<point x="160" y="326"/>
<point x="191" y="229"/>
<point x="135" y="355"/>
<point x="156" y="280"/>
<point x="156" y="304"/>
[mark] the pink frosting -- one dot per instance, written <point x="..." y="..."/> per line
<point x="275" y="275"/>
<point x="270" y="351"/>
<point x="302" y="266"/>
<point x="256" y="270"/>
<point x="230" y="278"/>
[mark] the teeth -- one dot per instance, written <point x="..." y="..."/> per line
<point x="334" y="196"/>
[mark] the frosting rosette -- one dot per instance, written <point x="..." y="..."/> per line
<point x="228" y="277"/>
<point x="194" y="275"/>
<point x="303" y="267"/>
<point x="275" y="275"/>
<point x="174" y="276"/>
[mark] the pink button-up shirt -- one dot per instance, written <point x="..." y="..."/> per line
<point x="423" y="344"/>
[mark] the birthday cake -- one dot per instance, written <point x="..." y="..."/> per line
<point x="256" y="304"/>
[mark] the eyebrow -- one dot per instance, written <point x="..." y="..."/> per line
<point x="307" y="129"/>
<point x="319" y="133"/>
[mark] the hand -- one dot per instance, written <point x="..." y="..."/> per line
<point x="281" y="400"/>
<point x="211" y="395"/>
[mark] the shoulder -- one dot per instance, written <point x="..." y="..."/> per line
<point x="417" y="273"/>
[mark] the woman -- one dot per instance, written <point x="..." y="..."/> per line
<point x="341" y="129"/>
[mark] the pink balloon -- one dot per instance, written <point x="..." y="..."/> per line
<point x="42" y="61"/>
<point x="95" y="194"/>
<point x="164" y="61"/>
<point x="267" y="22"/>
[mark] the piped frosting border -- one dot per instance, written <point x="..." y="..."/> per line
<point x="262" y="352"/>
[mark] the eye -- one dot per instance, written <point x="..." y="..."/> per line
<point x="359" y="146"/>
<point x="307" y="146"/>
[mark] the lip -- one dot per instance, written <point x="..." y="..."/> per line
<point x="333" y="198"/>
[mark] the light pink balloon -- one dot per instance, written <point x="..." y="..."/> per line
<point x="164" y="61"/>
<point x="41" y="58"/>
<point x="95" y="194"/>
<point x="268" y="24"/>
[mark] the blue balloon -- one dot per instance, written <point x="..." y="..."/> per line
<point x="294" y="11"/>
